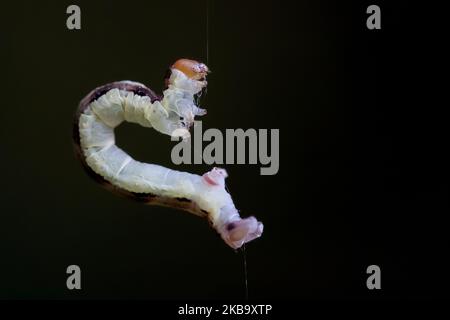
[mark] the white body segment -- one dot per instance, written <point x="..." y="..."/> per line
<point x="174" y="113"/>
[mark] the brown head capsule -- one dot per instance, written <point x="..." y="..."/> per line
<point x="192" y="69"/>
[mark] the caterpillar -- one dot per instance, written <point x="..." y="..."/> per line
<point x="171" y="113"/>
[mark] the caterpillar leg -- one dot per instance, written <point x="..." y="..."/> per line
<point x="242" y="231"/>
<point x="234" y="230"/>
<point x="165" y="122"/>
<point x="237" y="231"/>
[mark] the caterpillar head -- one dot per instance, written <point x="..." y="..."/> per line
<point x="193" y="70"/>
<point x="185" y="83"/>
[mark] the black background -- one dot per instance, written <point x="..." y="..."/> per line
<point x="363" y="141"/>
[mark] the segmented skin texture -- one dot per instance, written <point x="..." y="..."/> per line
<point x="147" y="198"/>
<point x="107" y="106"/>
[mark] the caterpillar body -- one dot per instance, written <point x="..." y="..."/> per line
<point x="172" y="113"/>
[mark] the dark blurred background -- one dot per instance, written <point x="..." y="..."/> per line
<point x="363" y="173"/>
